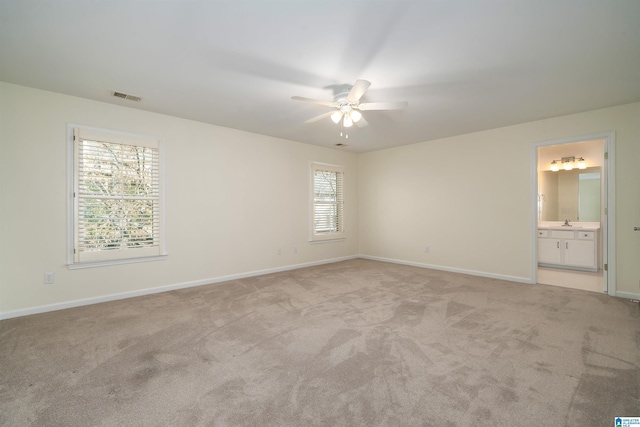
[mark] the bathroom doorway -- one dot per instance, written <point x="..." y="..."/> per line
<point x="572" y="184"/>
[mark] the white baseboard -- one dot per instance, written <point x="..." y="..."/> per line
<point x="148" y="291"/>
<point x="165" y="288"/>
<point x="628" y="295"/>
<point x="619" y="294"/>
<point x="451" y="269"/>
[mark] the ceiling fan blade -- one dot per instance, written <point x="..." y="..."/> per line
<point x="320" y="117"/>
<point x="358" y="89"/>
<point x="362" y="122"/>
<point x="368" y="106"/>
<point x="314" y="101"/>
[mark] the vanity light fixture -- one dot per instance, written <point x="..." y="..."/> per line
<point x="568" y="163"/>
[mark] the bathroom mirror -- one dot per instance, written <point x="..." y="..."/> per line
<point x="572" y="195"/>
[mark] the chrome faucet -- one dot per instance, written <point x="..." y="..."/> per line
<point x="566" y="223"/>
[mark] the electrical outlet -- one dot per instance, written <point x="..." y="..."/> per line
<point x="49" y="278"/>
<point x="426" y="248"/>
<point x="279" y="251"/>
<point x="295" y="249"/>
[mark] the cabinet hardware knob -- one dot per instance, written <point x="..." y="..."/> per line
<point x="636" y="228"/>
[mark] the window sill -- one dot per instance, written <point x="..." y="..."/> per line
<point x="80" y="265"/>
<point x="327" y="240"/>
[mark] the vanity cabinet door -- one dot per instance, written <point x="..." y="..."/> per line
<point x="579" y="253"/>
<point x="549" y="251"/>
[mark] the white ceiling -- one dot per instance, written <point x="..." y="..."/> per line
<point x="463" y="66"/>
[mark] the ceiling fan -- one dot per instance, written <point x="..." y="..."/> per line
<point x="347" y="107"/>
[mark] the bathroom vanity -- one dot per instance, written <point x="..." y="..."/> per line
<point x="574" y="247"/>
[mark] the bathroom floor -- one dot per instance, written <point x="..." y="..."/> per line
<point x="586" y="281"/>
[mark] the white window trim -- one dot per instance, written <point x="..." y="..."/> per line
<point x="324" y="237"/>
<point x="71" y="208"/>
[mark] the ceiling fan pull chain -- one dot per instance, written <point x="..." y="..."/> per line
<point x="346" y="135"/>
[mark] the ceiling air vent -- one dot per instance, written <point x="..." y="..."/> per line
<point x="126" y="96"/>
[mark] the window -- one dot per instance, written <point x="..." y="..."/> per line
<point x="328" y="202"/>
<point x="117" y="197"/>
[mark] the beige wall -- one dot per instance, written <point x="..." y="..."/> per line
<point x="469" y="197"/>
<point x="232" y="200"/>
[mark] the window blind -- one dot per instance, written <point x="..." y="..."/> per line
<point x="328" y="201"/>
<point x="117" y="198"/>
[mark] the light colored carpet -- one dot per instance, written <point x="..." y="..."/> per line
<point x="356" y="343"/>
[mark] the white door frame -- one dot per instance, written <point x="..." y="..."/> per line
<point x="609" y="223"/>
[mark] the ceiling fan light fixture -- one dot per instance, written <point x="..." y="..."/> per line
<point x="347" y="106"/>
<point x="336" y="116"/>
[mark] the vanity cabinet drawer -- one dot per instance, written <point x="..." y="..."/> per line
<point x="585" y="235"/>
<point x="562" y="234"/>
<point x="543" y="233"/>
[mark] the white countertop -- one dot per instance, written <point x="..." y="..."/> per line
<point x="558" y="225"/>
